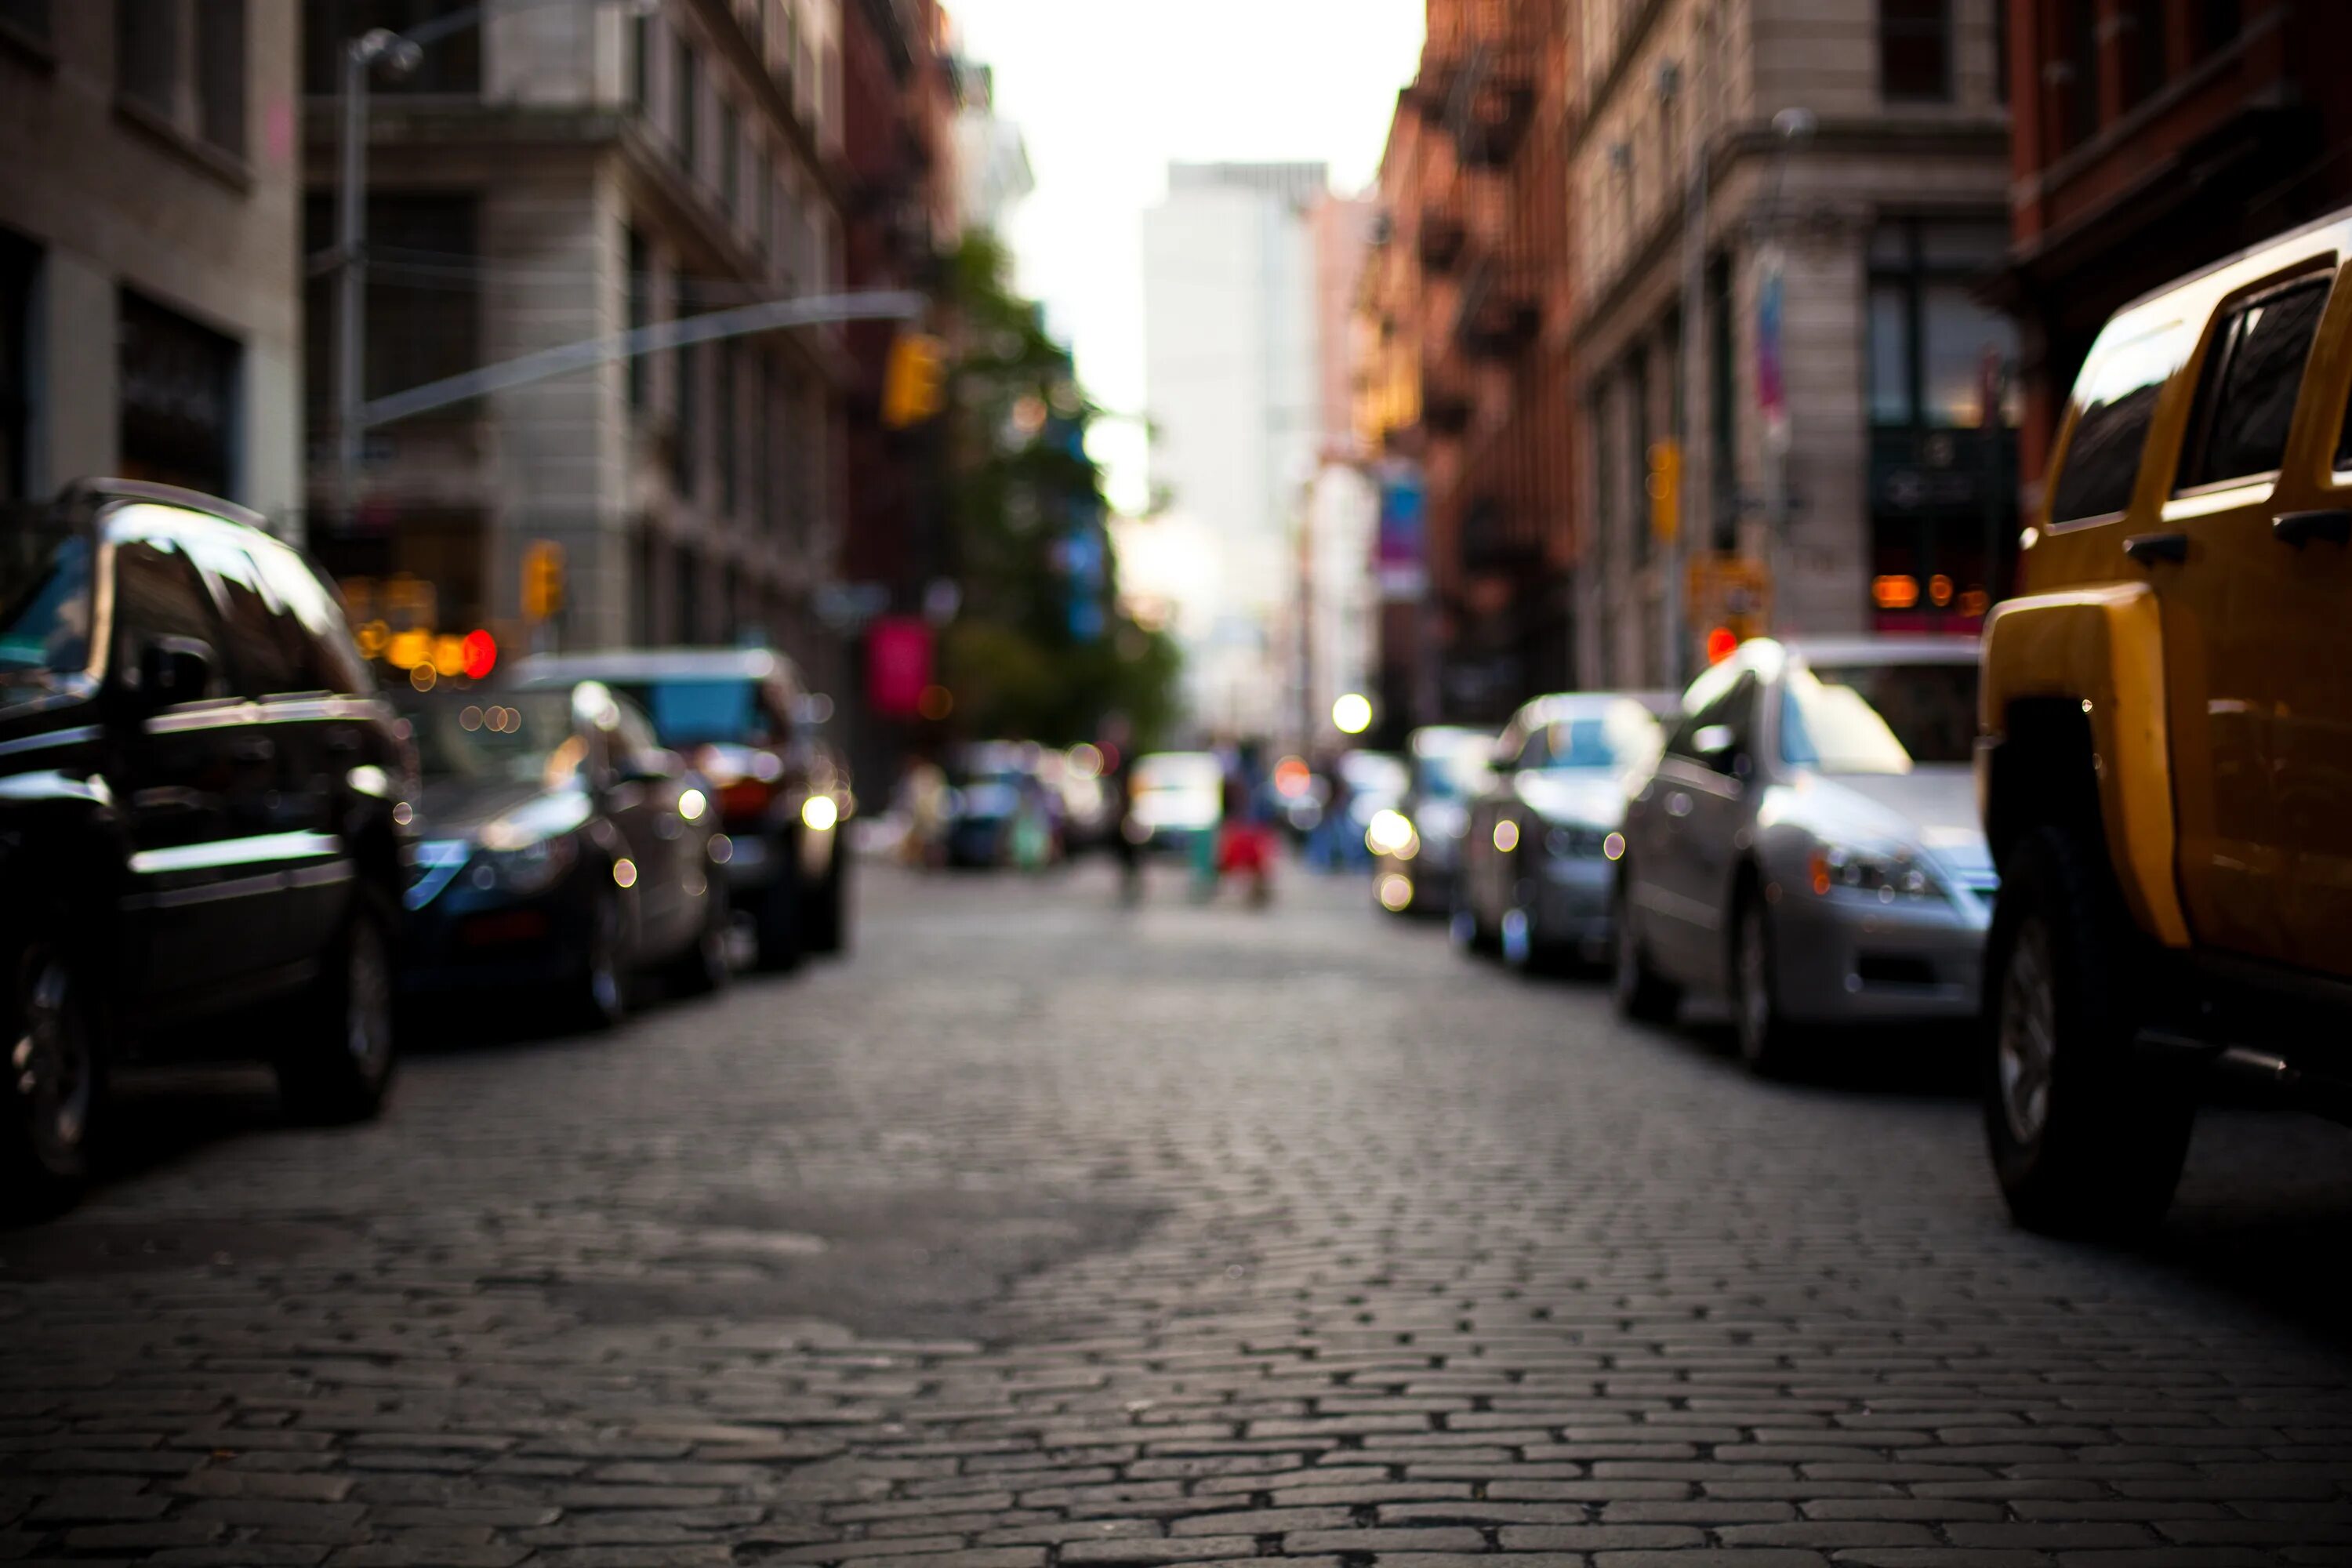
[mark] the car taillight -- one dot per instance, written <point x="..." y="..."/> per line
<point x="745" y="798"/>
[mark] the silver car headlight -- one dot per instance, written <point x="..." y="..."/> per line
<point x="1889" y="873"/>
<point x="526" y="868"/>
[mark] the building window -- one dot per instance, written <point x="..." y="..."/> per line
<point x="178" y="386"/>
<point x="1929" y="336"/>
<point x="1637" y="431"/>
<point x="2076" y="71"/>
<point x="686" y="428"/>
<point x="722" y="427"/>
<point x="641" y="62"/>
<point x="1915" y="51"/>
<point x="2142" y="22"/>
<point x="687" y="111"/>
<point x="641" y="316"/>
<point x="730" y="158"/>
<point x="1723" y="404"/>
<point x="423" y="296"/>
<point x="220" y="74"/>
<point x="29" y="19"/>
<point x="19" y="261"/>
<point x="450" y="67"/>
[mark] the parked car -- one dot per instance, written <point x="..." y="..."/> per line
<point x="743" y="720"/>
<point x="1176" y="795"/>
<point x="1002" y="812"/>
<point x="561" y="848"/>
<point x="2167" y="768"/>
<point x="1808" y="844"/>
<point x="203" y="806"/>
<point x="1536" y="861"/>
<point x="1416" y="858"/>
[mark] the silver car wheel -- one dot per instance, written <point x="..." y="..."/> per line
<point x="50" y="1062"/>
<point x="2028" y="1035"/>
<point x="1755" y="979"/>
<point x="367" y="1025"/>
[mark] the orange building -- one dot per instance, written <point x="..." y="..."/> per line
<point x="1462" y="362"/>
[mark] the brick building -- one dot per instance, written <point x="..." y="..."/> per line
<point x="1462" y="364"/>
<point x="558" y="173"/>
<point x="2156" y="136"/>
<point x="1845" y="473"/>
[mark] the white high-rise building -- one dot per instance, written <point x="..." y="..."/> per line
<point x="1232" y="388"/>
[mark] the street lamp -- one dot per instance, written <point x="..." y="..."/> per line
<point x="398" y="55"/>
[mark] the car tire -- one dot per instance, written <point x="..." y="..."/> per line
<point x="598" y="996"/>
<point x="339" y="1064"/>
<point x="706" y="965"/>
<point x="55" y="1094"/>
<point x="827" y="930"/>
<point x="1766" y="1042"/>
<point x="782" y="914"/>
<point x="2084" y="1141"/>
<point x="1641" y="994"/>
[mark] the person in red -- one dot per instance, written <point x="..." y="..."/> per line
<point x="1246" y="845"/>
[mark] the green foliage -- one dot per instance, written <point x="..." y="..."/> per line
<point x="1020" y="483"/>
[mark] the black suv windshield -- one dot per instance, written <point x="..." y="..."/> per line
<point x="44" y="603"/>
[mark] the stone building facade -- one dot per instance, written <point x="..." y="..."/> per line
<point x="150" y="215"/>
<point x="1841" y="473"/>
<point x="557" y="174"/>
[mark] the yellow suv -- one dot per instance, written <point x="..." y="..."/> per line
<point x="2165" y="764"/>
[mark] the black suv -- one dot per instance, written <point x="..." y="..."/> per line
<point x="202" y="810"/>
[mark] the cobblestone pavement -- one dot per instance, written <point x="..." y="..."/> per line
<point x="1040" y="1233"/>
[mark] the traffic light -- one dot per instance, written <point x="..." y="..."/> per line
<point x="914" y="385"/>
<point x="542" y="580"/>
<point x="1665" y="486"/>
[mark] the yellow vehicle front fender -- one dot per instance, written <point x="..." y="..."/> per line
<point x="2104" y="647"/>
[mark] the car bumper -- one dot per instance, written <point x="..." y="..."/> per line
<point x="463" y="946"/>
<point x="1571" y="905"/>
<point x="1433" y="887"/>
<point x="1852" y="963"/>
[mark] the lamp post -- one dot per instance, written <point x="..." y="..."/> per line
<point x="399" y="54"/>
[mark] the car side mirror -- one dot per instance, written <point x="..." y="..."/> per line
<point x="174" y="670"/>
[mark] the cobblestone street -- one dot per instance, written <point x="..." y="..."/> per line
<point x="1039" y="1232"/>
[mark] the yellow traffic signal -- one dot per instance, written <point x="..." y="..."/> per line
<point x="542" y="580"/>
<point x="1665" y="486"/>
<point x="914" y="385"/>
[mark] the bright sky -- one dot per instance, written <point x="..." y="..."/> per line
<point x="1108" y="92"/>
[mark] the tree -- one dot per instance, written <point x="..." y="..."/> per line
<point x="1040" y="649"/>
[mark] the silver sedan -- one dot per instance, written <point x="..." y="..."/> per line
<point x="1808" y="845"/>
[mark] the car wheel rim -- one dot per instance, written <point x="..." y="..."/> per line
<point x="367" y="1033"/>
<point x="1518" y="938"/>
<point x="2028" y="1036"/>
<point x="604" y="965"/>
<point x="50" y="1061"/>
<point x="1755" y="982"/>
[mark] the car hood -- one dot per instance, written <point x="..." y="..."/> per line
<point x="456" y="808"/>
<point x="1579" y="797"/>
<point x="1933" y="806"/>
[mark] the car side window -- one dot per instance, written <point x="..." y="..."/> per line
<point x="2117" y="394"/>
<point x="330" y="660"/>
<point x="256" y="637"/>
<point x="2246" y="391"/>
<point x="1733" y="704"/>
<point x="157" y="593"/>
<point x="1538" y="751"/>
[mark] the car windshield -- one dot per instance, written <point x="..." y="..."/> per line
<point x="696" y="713"/>
<point x="1176" y="771"/>
<point x="45" y="603"/>
<point x="525" y="737"/>
<point x="1613" y="738"/>
<point x="1879" y="717"/>
<point x="1452" y="774"/>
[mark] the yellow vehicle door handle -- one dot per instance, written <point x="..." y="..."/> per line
<point x="2150" y="548"/>
<point x="2299" y="527"/>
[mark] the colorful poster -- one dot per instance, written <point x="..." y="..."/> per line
<point x="1771" y="389"/>
<point x="897" y="665"/>
<point x="1399" y="561"/>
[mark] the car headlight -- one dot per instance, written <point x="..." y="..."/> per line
<point x="526" y="868"/>
<point x="1390" y="833"/>
<point x="1890" y="874"/>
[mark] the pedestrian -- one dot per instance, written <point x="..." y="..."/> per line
<point x="1332" y="830"/>
<point x="1127" y="833"/>
<point x="1247" y="839"/>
